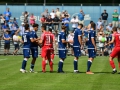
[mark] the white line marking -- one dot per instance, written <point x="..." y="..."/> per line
<point x="3" y="59"/>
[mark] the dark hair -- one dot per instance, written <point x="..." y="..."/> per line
<point x="63" y="27"/>
<point x="43" y="26"/>
<point x="114" y="29"/>
<point x="91" y="21"/>
<point x="50" y="29"/>
<point x="80" y="25"/>
<point x="26" y="26"/>
<point x="35" y="25"/>
<point x="93" y="25"/>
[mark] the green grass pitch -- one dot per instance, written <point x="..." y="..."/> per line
<point x="12" y="79"/>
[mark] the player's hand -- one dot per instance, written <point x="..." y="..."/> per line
<point x="81" y="47"/>
<point x="95" y="48"/>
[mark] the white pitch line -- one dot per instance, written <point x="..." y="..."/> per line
<point x="3" y="59"/>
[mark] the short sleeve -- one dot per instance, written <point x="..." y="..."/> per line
<point x="92" y="34"/>
<point x="31" y="35"/>
<point x="79" y="32"/>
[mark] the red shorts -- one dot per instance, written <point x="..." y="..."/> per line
<point x="115" y="52"/>
<point x="52" y="54"/>
<point x="46" y="52"/>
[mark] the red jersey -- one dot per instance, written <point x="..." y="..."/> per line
<point x="47" y="39"/>
<point x="116" y="39"/>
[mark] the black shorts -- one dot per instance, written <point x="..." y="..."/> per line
<point x="7" y="46"/>
<point x="16" y="46"/>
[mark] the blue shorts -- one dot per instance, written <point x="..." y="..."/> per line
<point x="26" y="53"/>
<point x="34" y="52"/>
<point x="77" y="51"/>
<point x="91" y="53"/>
<point x="62" y="53"/>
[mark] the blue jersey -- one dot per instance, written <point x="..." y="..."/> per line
<point x="61" y="36"/>
<point x="26" y="40"/>
<point x="77" y="33"/>
<point x="91" y="34"/>
<point x="7" y="36"/>
<point x="32" y="36"/>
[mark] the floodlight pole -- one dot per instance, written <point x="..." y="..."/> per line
<point x="44" y="2"/>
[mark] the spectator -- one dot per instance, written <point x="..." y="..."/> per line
<point x="99" y="23"/>
<point x="52" y="14"/>
<point x="15" y="22"/>
<point x="70" y="38"/>
<point x="43" y="20"/>
<point x="7" y="14"/>
<point x="101" y="44"/>
<point x="104" y="17"/>
<point x="58" y="13"/>
<point x="13" y="29"/>
<point x="16" y="41"/>
<point x="109" y="27"/>
<point x="5" y="27"/>
<point x="2" y="20"/>
<point x="32" y="19"/>
<point x="10" y="23"/>
<point x="49" y="22"/>
<point x="21" y="29"/>
<point x="81" y="17"/>
<point x="56" y="21"/>
<point x="25" y="14"/>
<point x="66" y="21"/>
<point x="115" y="16"/>
<point x="6" y="37"/>
<point x="63" y="14"/>
<point x="74" y="22"/>
<point x="45" y="13"/>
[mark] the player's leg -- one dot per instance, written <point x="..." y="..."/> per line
<point x="119" y="62"/>
<point x="50" y="60"/>
<point x="112" y="55"/>
<point x="77" y="53"/>
<point x="26" y="53"/>
<point x="62" y="56"/>
<point x="92" y="55"/>
<point x="44" y="55"/>
<point x="34" y="57"/>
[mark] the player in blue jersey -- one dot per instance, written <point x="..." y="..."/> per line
<point x="26" y="47"/>
<point x="34" y="46"/>
<point x="61" y="48"/>
<point x="91" y="47"/>
<point x="77" y="46"/>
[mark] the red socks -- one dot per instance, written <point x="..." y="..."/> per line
<point x="51" y="65"/>
<point x="43" y="65"/>
<point x="112" y="64"/>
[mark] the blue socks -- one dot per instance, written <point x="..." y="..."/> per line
<point x="60" y="66"/>
<point x="89" y="63"/>
<point x="24" y="64"/>
<point x="75" y="64"/>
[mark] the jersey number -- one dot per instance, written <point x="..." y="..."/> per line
<point x="25" y="39"/>
<point x="48" y="39"/>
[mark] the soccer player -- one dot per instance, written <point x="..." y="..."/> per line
<point x="51" y="44"/>
<point x="34" y="46"/>
<point x="77" y="46"/>
<point x="61" y="48"/>
<point x="46" y="41"/>
<point x="116" y="50"/>
<point x="91" y="47"/>
<point x="26" y="47"/>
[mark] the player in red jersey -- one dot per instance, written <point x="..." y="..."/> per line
<point x="51" y="45"/>
<point x="116" y="50"/>
<point x="47" y="42"/>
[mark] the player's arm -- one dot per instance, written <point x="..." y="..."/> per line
<point x="63" y="39"/>
<point x="80" y="37"/>
<point x="112" y="41"/>
<point x="93" y="39"/>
